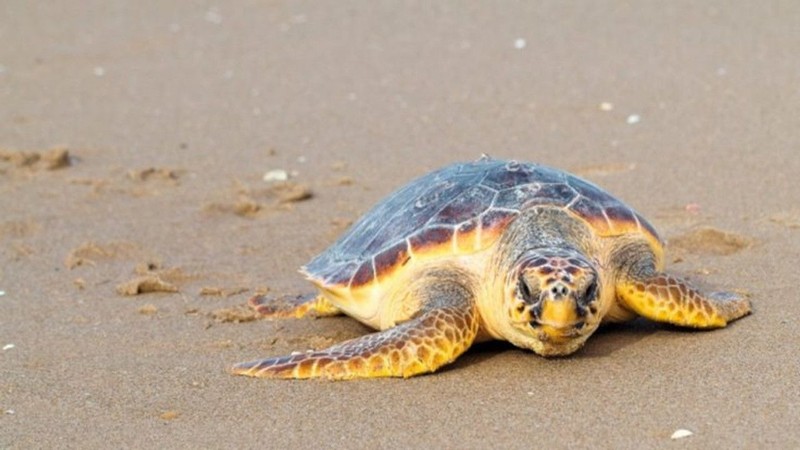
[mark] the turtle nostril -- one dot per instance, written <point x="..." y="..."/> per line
<point x="559" y="290"/>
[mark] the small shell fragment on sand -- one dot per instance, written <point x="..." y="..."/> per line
<point x="633" y="119"/>
<point x="693" y="208"/>
<point x="681" y="433"/>
<point x="276" y="175"/>
<point x="2" y="293"/>
<point x="10" y="412"/>
<point x="169" y="415"/>
<point x="8" y="347"/>
<point x="520" y="43"/>
<point x="148" y="309"/>
<point x="606" y="106"/>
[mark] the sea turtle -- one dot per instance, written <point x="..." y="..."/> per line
<point x="489" y="249"/>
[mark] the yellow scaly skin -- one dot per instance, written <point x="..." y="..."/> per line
<point x="444" y="328"/>
<point x="419" y="346"/>
<point x="669" y="299"/>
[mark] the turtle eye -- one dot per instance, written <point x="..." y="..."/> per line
<point x="591" y="292"/>
<point x="525" y="290"/>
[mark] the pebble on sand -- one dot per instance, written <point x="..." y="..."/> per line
<point x="681" y="433"/>
<point x="2" y="293"/>
<point x="520" y="43"/>
<point x="276" y="175"/>
<point x="606" y="106"/>
<point x="8" y="347"/>
<point x="634" y="119"/>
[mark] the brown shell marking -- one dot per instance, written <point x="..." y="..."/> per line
<point x="468" y="238"/>
<point x="608" y="216"/>
<point x="458" y="210"/>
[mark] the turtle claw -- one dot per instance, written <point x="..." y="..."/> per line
<point x="281" y="367"/>
<point x="244" y="368"/>
<point x="292" y="306"/>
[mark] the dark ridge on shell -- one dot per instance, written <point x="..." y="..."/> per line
<point x="587" y="208"/>
<point x="497" y="218"/>
<point x="510" y="175"/>
<point x="648" y="227"/>
<point x="431" y="237"/>
<point x="591" y="191"/>
<point x="395" y="256"/>
<point x="409" y="215"/>
<point x="557" y="194"/>
<point x="331" y="272"/>
<point x="619" y="213"/>
<point x="515" y="198"/>
<point x="465" y="206"/>
<point x="468" y="226"/>
<point x="363" y="275"/>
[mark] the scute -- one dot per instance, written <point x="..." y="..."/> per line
<point x="443" y="210"/>
<point x="469" y="204"/>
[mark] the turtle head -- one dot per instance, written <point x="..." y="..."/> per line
<point x="553" y="300"/>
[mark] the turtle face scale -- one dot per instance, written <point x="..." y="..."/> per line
<point x="552" y="297"/>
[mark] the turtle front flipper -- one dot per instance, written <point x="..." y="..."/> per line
<point x="296" y="306"/>
<point x="443" y="329"/>
<point x="666" y="298"/>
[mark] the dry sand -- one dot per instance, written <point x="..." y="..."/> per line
<point x="172" y="111"/>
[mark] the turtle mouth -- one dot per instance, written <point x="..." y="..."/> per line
<point x="548" y="331"/>
<point x="559" y="326"/>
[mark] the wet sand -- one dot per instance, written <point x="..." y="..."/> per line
<point x="125" y="265"/>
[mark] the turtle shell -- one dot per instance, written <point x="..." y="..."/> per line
<point x="461" y="209"/>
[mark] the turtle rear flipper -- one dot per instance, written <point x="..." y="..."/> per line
<point x="667" y="298"/>
<point x="445" y="327"/>
<point x="296" y="306"/>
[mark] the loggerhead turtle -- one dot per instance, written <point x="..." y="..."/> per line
<point x="486" y="250"/>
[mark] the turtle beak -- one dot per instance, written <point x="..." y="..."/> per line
<point x="558" y="313"/>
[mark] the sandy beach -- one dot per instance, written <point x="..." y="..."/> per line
<point x="135" y="221"/>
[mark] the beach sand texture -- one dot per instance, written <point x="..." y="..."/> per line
<point x="135" y="221"/>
